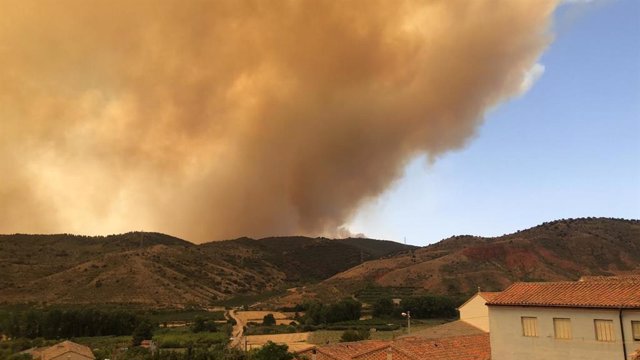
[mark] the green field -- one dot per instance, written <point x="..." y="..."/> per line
<point x="332" y="336"/>
<point x="183" y="337"/>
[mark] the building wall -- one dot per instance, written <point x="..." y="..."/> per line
<point x="507" y="341"/>
<point x="475" y="312"/>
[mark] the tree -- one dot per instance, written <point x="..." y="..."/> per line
<point x="344" y="310"/>
<point x="271" y="351"/>
<point x="383" y="307"/>
<point x="143" y="331"/>
<point x="427" y="307"/>
<point x="268" y="320"/>
<point x="200" y="324"/>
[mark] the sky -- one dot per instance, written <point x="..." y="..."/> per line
<point x="567" y="148"/>
<point x="414" y="119"/>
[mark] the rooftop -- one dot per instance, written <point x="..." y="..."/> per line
<point x="473" y="347"/>
<point x="600" y="292"/>
<point x="65" y="347"/>
<point x="487" y="295"/>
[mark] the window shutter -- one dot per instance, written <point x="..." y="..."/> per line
<point x="562" y="328"/>
<point x="604" y="330"/>
<point x="529" y="326"/>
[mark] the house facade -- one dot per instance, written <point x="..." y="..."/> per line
<point x="587" y="320"/>
<point x="475" y="311"/>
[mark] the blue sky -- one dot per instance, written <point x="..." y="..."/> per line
<point x="569" y="147"/>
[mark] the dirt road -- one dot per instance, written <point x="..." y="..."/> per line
<point x="238" y="330"/>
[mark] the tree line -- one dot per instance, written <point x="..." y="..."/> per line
<point x="317" y="313"/>
<point x="57" y="324"/>
<point x="421" y="307"/>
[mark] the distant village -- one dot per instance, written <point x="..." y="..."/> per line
<point x="594" y="318"/>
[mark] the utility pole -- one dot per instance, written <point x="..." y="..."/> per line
<point x="408" y="316"/>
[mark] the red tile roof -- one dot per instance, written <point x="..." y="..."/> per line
<point x="64" y="348"/>
<point x="474" y="347"/>
<point x="601" y="293"/>
<point x="347" y="351"/>
<point x="488" y="295"/>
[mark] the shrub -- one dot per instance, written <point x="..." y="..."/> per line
<point x="271" y="351"/>
<point x="268" y="320"/>
<point x="353" y="335"/>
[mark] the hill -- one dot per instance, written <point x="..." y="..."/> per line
<point x="558" y="250"/>
<point x="159" y="270"/>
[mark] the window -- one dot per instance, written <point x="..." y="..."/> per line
<point x="635" y="330"/>
<point x="529" y="326"/>
<point x="562" y="328"/>
<point x="604" y="330"/>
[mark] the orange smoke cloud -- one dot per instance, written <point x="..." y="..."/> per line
<point x="215" y="119"/>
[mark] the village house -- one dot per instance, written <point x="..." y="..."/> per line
<point x="474" y="320"/>
<point x="592" y="319"/>
<point x="475" y="311"/>
<point x="66" y="350"/>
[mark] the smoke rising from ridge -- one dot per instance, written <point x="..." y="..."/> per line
<point x="217" y="119"/>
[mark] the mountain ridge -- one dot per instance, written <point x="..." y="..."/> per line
<point x="558" y="250"/>
<point x="155" y="269"/>
<point x="158" y="270"/>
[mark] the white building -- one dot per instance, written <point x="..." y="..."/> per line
<point x="475" y="311"/>
<point x="594" y="319"/>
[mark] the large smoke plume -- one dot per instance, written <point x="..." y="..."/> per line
<point x="216" y="119"/>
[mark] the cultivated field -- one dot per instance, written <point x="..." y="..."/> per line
<point x="257" y="316"/>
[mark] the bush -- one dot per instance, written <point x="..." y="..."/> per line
<point x="200" y="325"/>
<point x="353" y="335"/>
<point x="268" y="320"/>
<point x="271" y="351"/>
<point x="143" y="331"/>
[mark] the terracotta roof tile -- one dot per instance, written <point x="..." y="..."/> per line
<point x="601" y="293"/>
<point x="66" y="347"/>
<point x="488" y="295"/>
<point x="474" y="347"/>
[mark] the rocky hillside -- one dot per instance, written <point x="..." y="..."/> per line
<point x="160" y="270"/>
<point x="558" y="250"/>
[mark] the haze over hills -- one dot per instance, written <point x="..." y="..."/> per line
<point x="159" y="270"/>
<point x="557" y="250"/>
